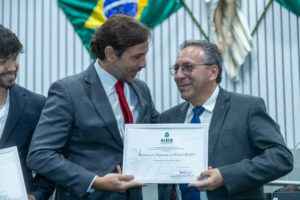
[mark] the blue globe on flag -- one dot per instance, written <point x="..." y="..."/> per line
<point x="125" y="7"/>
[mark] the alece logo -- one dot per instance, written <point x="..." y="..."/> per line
<point x="167" y="134"/>
<point x="166" y="140"/>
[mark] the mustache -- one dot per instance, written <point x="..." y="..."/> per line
<point x="183" y="82"/>
<point x="8" y="73"/>
<point x="139" y="69"/>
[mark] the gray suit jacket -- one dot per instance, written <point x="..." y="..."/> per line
<point x="244" y="143"/>
<point x="77" y="136"/>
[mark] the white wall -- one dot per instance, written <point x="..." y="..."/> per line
<point x="53" y="51"/>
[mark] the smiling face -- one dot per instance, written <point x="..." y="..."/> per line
<point x="195" y="87"/>
<point x="8" y="71"/>
<point x="126" y="67"/>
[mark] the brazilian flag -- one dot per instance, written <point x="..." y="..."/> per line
<point x="87" y="15"/>
<point x="291" y="5"/>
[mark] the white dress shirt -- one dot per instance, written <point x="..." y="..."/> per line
<point x="205" y="118"/>
<point x="4" y="114"/>
<point x="108" y="81"/>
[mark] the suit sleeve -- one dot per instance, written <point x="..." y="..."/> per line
<point x="40" y="187"/>
<point x="50" y="137"/>
<point x="271" y="158"/>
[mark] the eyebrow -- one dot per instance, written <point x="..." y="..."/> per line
<point x="140" y="54"/>
<point x="9" y="56"/>
<point x="184" y="63"/>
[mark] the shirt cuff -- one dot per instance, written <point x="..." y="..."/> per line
<point x="90" y="189"/>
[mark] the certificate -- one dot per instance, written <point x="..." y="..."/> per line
<point x="165" y="153"/>
<point x="11" y="178"/>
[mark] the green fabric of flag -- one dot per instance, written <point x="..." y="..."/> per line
<point x="291" y="5"/>
<point x="78" y="12"/>
<point x="158" y="10"/>
<point x="87" y="15"/>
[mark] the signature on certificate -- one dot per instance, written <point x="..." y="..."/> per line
<point x="184" y="173"/>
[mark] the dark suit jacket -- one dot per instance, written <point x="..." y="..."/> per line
<point x="244" y="143"/>
<point x="23" y="115"/>
<point x="78" y="137"/>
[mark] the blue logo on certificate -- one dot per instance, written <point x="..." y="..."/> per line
<point x="166" y="139"/>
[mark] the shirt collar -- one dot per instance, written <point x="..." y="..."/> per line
<point x="4" y="109"/>
<point x="107" y="80"/>
<point x="211" y="101"/>
<point x="209" y="104"/>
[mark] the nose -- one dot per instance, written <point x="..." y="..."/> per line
<point x="179" y="73"/>
<point x="12" y="65"/>
<point x="142" y="63"/>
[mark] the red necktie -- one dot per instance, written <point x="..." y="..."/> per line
<point x="174" y="193"/>
<point x="128" y="119"/>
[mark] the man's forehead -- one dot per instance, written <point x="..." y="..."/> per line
<point x="192" y="52"/>
<point x="139" y="48"/>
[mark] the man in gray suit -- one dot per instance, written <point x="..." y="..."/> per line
<point x="246" y="148"/>
<point x="78" y="142"/>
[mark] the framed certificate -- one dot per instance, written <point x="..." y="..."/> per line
<point x="165" y="153"/>
<point x="11" y="178"/>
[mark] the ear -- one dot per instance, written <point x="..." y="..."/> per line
<point x="214" y="71"/>
<point x="110" y="54"/>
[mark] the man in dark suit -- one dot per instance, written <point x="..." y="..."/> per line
<point x="20" y="111"/>
<point x="78" y="142"/>
<point x="245" y="146"/>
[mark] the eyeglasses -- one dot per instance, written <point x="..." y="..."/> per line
<point x="186" y="68"/>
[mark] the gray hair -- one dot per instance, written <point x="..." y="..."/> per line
<point x="212" y="54"/>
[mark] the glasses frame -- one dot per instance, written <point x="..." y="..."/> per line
<point x="173" y="72"/>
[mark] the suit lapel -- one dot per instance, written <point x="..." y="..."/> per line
<point x="98" y="96"/>
<point x="221" y="108"/>
<point x="181" y="115"/>
<point x="16" y="106"/>
<point x="141" y="100"/>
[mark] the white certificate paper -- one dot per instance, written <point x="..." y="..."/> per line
<point x="11" y="178"/>
<point x="165" y="153"/>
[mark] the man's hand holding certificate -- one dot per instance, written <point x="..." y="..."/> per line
<point x="165" y="153"/>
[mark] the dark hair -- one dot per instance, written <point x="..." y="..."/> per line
<point x="212" y="54"/>
<point x="9" y="43"/>
<point x="119" y="32"/>
<point x="288" y="188"/>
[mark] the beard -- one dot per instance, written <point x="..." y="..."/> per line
<point x="7" y="80"/>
